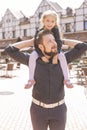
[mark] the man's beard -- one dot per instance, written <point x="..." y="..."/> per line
<point x="51" y="54"/>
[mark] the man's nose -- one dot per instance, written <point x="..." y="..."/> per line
<point x="53" y="43"/>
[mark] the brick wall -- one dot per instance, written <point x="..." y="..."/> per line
<point x="81" y="36"/>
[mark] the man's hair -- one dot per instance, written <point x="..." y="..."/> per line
<point x="39" y="37"/>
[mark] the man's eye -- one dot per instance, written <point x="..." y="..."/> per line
<point x="54" y="40"/>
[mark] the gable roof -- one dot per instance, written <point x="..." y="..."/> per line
<point x="54" y="5"/>
<point x="83" y="5"/>
<point x="16" y="14"/>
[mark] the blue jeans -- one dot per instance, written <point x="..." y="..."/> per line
<point x="55" y="118"/>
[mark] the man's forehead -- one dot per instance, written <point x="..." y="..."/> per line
<point x="48" y="36"/>
<point x="48" y="39"/>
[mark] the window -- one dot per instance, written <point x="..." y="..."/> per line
<point x="8" y="20"/>
<point x="85" y="25"/>
<point x="40" y="15"/>
<point x="68" y="27"/>
<point x="3" y="35"/>
<point x="13" y="34"/>
<point x="25" y="32"/>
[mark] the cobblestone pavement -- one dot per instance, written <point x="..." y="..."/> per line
<point x="15" y="103"/>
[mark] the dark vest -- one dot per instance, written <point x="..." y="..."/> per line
<point x="49" y="87"/>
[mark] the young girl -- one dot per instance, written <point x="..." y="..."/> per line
<point x="49" y="21"/>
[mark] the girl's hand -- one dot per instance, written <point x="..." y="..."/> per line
<point x="45" y="59"/>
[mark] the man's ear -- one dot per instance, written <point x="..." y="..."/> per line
<point x="41" y="47"/>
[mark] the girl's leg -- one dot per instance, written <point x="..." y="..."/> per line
<point x="32" y="65"/>
<point x="65" y="70"/>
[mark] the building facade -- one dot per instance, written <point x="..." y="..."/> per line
<point x="73" y="23"/>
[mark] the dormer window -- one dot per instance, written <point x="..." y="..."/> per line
<point x="69" y="11"/>
<point x="8" y="20"/>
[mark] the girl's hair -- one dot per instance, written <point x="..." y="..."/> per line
<point x="55" y="15"/>
<point x="50" y="13"/>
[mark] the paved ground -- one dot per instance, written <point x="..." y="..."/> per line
<point x="15" y="103"/>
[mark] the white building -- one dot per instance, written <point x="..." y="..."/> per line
<point x="15" y="24"/>
<point x="73" y="23"/>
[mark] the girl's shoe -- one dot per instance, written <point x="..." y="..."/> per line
<point x="68" y="84"/>
<point x="29" y="84"/>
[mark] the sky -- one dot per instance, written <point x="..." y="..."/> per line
<point x="29" y="7"/>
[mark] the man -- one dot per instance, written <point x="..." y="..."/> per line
<point x="48" y="107"/>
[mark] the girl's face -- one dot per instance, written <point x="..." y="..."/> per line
<point x="49" y="22"/>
